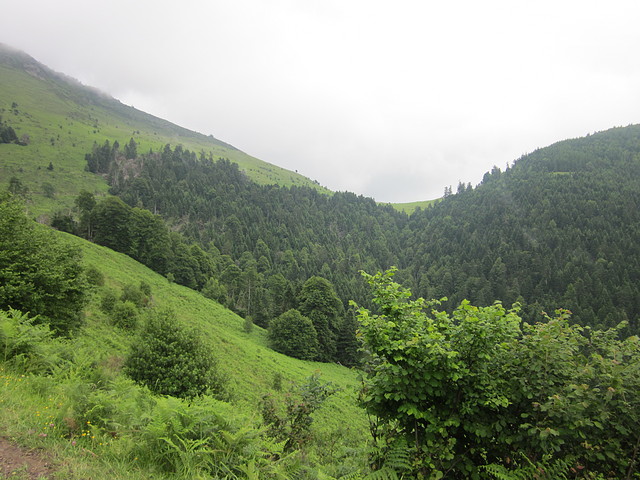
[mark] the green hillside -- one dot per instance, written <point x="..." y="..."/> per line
<point x="558" y="228"/>
<point x="447" y="384"/>
<point x="88" y="369"/>
<point x="63" y="119"/>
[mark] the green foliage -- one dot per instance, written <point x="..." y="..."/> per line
<point x="392" y="462"/>
<point x="318" y="301"/>
<point x="134" y="294"/>
<point x="292" y="426"/>
<point x="109" y="300"/>
<point x="214" y="290"/>
<point x="248" y="324"/>
<point x="84" y="382"/>
<point x="7" y="133"/>
<point x="545" y="469"/>
<point x="38" y="273"/>
<point x="125" y="314"/>
<point x="101" y="158"/>
<point x="112" y="225"/>
<point x="171" y="360"/>
<point x="21" y="341"/>
<point x="64" y="222"/>
<point x="554" y="229"/>
<point x="131" y="149"/>
<point x="17" y="188"/>
<point x="94" y="276"/>
<point x="294" y="334"/>
<point x="469" y="388"/>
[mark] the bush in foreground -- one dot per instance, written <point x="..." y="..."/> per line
<point x="479" y="391"/>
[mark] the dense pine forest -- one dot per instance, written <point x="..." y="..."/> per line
<point x="559" y="228"/>
<point x="555" y="229"/>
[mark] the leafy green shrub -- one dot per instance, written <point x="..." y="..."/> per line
<point x="134" y="294"/>
<point x="64" y="222"/>
<point x="171" y="360"/>
<point x="248" y="324"/>
<point x="125" y="315"/>
<point x="94" y="276"/>
<point x="214" y="290"/>
<point x="294" y="334"/>
<point x="109" y="300"/>
<point x="478" y="387"/>
<point x="145" y="288"/>
<point x="293" y="425"/>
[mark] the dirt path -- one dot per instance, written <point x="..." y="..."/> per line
<point x="21" y="463"/>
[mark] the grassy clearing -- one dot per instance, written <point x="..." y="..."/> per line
<point x="410" y="207"/>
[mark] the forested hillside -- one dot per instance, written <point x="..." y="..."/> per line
<point x="559" y="228"/>
<point x="153" y="379"/>
<point x="51" y="120"/>
<point x="556" y="229"/>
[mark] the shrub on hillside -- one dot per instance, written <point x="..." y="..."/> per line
<point x="125" y="314"/>
<point x="171" y="360"/>
<point x="94" y="276"/>
<point x="135" y="294"/>
<point x="480" y="390"/>
<point x="294" y="334"/>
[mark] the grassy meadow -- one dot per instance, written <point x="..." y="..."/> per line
<point x="411" y="207"/>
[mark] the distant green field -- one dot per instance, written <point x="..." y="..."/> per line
<point x="410" y="207"/>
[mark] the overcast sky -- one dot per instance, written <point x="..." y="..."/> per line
<point x="389" y="99"/>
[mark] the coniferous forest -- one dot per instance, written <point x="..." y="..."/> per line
<point x="556" y="229"/>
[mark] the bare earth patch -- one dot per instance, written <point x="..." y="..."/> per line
<point x="22" y="463"/>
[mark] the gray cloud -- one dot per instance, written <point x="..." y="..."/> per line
<point x="394" y="101"/>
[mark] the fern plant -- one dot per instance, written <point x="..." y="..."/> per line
<point x="546" y="469"/>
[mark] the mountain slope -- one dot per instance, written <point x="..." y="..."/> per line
<point x="70" y="396"/>
<point x="64" y="118"/>
<point x="557" y="229"/>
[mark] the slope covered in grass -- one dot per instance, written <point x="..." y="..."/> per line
<point x="75" y="398"/>
<point x="62" y="120"/>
